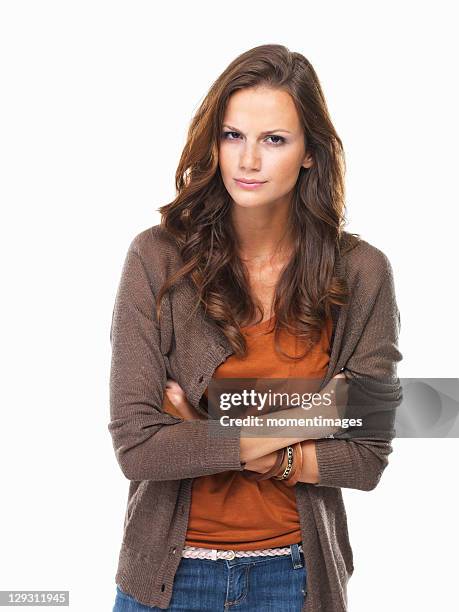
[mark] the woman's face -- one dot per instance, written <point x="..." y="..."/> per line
<point x="262" y="140"/>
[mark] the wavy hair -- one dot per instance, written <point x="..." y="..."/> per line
<point x="200" y="223"/>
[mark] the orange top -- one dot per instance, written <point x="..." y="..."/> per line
<point x="228" y="511"/>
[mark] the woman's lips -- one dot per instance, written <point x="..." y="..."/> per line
<point x="248" y="186"/>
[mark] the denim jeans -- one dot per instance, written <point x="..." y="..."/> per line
<point x="245" y="584"/>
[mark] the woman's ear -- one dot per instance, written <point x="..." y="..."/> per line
<point x="308" y="161"/>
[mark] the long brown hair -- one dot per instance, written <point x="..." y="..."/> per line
<point x="199" y="220"/>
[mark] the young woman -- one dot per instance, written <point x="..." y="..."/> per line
<point x="249" y="275"/>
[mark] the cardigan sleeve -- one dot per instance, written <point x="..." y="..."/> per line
<point x="356" y="458"/>
<point x="150" y="444"/>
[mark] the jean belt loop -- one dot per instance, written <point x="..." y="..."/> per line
<point x="214" y="554"/>
<point x="296" y="559"/>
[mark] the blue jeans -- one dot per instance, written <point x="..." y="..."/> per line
<point x="245" y="584"/>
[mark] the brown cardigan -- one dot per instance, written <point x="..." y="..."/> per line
<point x="160" y="454"/>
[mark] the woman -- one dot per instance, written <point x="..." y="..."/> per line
<point x="250" y="275"/>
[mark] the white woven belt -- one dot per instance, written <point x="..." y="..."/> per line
<point x="193" y="552"/>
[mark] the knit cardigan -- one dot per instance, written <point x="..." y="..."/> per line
<point x="160" y="454"/>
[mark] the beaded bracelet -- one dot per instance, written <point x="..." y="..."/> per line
<point x="298" y="464"/>
<point x="290" y="474"/>
<point x="287" y="465"/>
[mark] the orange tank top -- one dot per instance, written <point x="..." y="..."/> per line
<point x="228" y="511"/>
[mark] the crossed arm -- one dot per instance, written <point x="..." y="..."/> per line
<point x="250" y="446"/>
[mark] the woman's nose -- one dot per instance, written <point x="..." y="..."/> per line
<point x="250" y="158"/>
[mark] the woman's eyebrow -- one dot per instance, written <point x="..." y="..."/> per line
<point x="262" y="133"/>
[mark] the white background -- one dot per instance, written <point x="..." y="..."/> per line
<point x="96" y="98"/>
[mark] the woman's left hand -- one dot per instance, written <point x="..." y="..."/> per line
<point x="182" y="406"/>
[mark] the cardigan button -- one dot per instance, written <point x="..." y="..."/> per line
<point x="201" y="378"/>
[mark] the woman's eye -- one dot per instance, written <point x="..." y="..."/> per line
<point x="280" y="140"/>
<point x="226" y="134"/>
